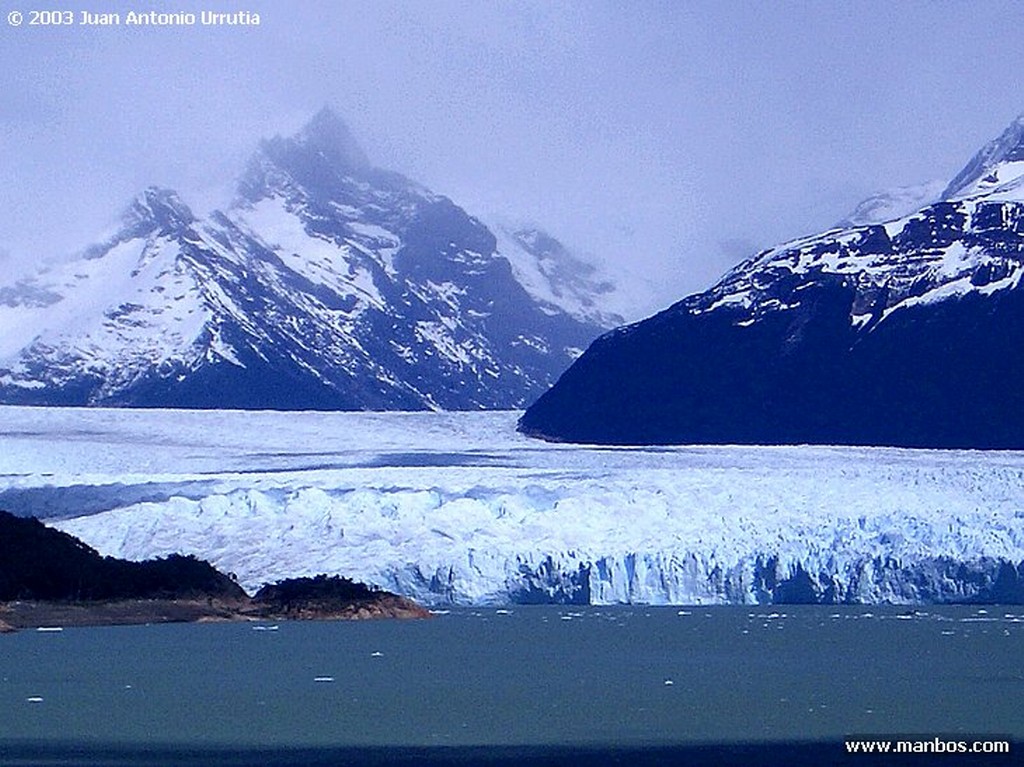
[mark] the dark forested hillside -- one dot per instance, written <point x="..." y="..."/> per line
<point x="40" y="563"/>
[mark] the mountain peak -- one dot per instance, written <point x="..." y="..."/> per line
<point x="318" y="157"/>
<point x="998" y="162"/>
<point x="327" y="134"/>
<point x="157" y="207"/>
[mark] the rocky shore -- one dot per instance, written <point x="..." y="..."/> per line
<point x="128" y="612"/>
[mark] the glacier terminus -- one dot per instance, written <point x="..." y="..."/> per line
<point x="457" y="508"/>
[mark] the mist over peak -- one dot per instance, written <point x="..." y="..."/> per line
<point x="329" y="136"/>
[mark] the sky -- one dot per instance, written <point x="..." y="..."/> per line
<point x="665" y="140"/>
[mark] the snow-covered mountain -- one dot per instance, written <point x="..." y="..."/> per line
<point x="328" y="283"/>
<point x="908" y="332"/>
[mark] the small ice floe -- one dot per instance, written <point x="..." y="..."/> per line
<point x="440" y="612"/>
<point x="669" y="683"/>
<point x="947" y="633"/>
<point x="566" y="617"/>
<point x="49" y="629"/>
<point x="323" y="679"/>
<point x="376" y="654"/>
<point x="266" y="628"/>
<point x="34" y="699"/>
<point x="684" y="612"/>
<point x="502" y="612"/>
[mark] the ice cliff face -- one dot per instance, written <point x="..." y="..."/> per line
<point x="455" y="508"/>
<point x="328" y="284"/>
<point x="906" y="332"/>
<point x="605" y="544"/>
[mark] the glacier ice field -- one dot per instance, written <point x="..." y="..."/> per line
<point x="458" y="508"/>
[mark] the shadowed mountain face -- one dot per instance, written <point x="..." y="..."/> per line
<point x="328" y="284"/>
<point x="906" y="333"/>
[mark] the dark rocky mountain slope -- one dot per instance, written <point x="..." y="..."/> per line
<point x="905" y="333"/>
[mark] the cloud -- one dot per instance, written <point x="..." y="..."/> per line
<point x="674" y="138"/>
<point x="736" y="249"/>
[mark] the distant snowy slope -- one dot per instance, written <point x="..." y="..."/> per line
<point x="997" y="164"/>
<point x="132" y="303"/>
<point x="556" y="278"/>
<point x="893" y="204"/>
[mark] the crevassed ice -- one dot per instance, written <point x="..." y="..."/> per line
<point x="457" y="508"/>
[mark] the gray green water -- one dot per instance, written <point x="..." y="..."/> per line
<point x="540" y="676"/>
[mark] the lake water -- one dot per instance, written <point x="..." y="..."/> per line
<point x="525" y="685"/>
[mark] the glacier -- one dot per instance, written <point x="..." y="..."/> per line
<point x="458" y="508"/>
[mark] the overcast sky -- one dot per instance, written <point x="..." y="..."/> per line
<point x="670" y="139"/>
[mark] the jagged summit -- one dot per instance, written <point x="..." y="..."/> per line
<point x="322" y="160"/>
<point x="327" y="284"/>
<point x="327" y="133"/>
<point x="997" y="163"/>
<point x="998" y="166"/>
<point x="157" y="207"/>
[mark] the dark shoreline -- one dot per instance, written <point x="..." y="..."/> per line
<point x="20" y="615"/>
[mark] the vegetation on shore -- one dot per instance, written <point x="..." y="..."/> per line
<point x="48" y="577"/>
<point x="38" y="563"/>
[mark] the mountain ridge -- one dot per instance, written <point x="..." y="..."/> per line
<point x="327" y="284"/>
<point x="888" y="333"/>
